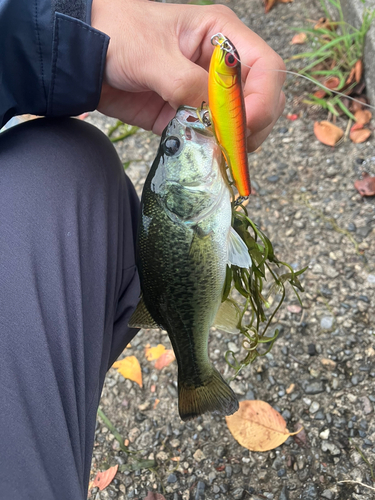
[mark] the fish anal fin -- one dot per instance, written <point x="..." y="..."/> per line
<point x="228" y="317"/>
<point x="213" y="395"/>
<point x="141" y="318"/>
<point x="238" y="254"/>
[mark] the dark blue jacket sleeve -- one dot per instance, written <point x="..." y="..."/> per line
<point x="52" y="60"/>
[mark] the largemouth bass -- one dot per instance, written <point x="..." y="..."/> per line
<point x="185" y="242"/>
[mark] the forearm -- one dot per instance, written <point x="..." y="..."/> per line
<point x="52" y="60"/>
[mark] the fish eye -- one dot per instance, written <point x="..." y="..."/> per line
<point x="171" y="145"/>
<point x="230" y="60"/>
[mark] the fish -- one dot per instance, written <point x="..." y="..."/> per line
<point x="185" y="242"/>
<point x="227" y="107"/>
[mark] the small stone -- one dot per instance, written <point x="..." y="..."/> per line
<point x="273" y="178"/>
<point x="355" y="380"/>
<point x="315" y="387"/>
<point x="314" y="407"/>
<point x="326" y="322"/>
<point x="317" y="269"/>
<point x="284" y="495"/>
<point x="329" y="494"/>
<point x="331" y="272"/>
<point x="371" y="278"/>
<point x="133" y="434"/>
<point x="201" y="486"/>
<point x="211" y="477"/>
<point x="331" y="447"/>
<point x="328" y="363"/>
<point x="311" y="350"/>
<point x="286" y="415"/>
<point x="162" y="456"/>
<point x="310" y="492"/>
<point x="228" y="471"/>
<point x="172" y="478"/>
<point x="237" y="494"/>
<point x="233" y="347"/>
<point x="199" y="455"/>
<point x="324" y="434"/>
<point x="216" y="489"/>
<point x="366" y="405"/>
<point x="351" y="227"/>
<point x="281" y="472"/>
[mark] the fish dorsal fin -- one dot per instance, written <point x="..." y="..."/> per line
<point x="141" y="318"/>
<point x="238" y="254"/>
<point x="228" y="317"/>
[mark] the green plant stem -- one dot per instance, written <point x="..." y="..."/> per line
<point x="114" y="431"/>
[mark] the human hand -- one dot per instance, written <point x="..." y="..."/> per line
<point x="158" y="59"/>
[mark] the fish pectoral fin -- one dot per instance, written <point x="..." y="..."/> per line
<point x="228" y="317"/>
<point x="141" y="318"/>
<point x="238" y="254"/>
<point x="200" y="247"/>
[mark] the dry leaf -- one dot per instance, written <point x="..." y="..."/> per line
<point x="351" y="76"/>
<point x="294" y="308"/>
<point x="257" y="426"/>
<point x="365" y="186"/>
<point x="152" y="495"/>
<point x="103" y="479"/>
<point x="268" y="4"/>
<point x="130" y="368"/>
<point x="327" y="133"/>
<point x="153" y="353"/>
<point x="359" y="136"/>
<point x="153" y="388"/>
<point x="300" y="436"/>
<point x="165" y="359"/>
<point x="358" y="68"/>
<point x="320" y="93"/>
<point x="299" y="39"/>
<point x="157" y="401"/>
<point x="363" y="116"/>
<point x="357" y="126"/>
<point x="324" y="23"/>
<point x="357" y="104"/>
<point x="332" y="82"/>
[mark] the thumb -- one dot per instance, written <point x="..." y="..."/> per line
<point x="179" y="81"/>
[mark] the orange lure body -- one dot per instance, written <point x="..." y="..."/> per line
<point x="226" y="103"/>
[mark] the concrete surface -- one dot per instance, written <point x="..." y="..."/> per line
<point x="353" y="12"/>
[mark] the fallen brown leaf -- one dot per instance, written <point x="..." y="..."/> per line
<point x="320" y="93"/>
<point x="365" y="186"/>
<point x="358" y="69"/>
<point x="157" y="401"/>
<point x="299" y="39"/>
<point x="300" y="436"/>
<point x="327" y="133"/>
<point x="103" y="479"/>
<point x="257" y="426"/>
<point x="332" y="82"/>
<point x="130" y="368"/>
<point x="268" y="4"/>
<point x="351" y="76"/>
<point x="357" y="104"/>
<point x="359" y="136"/>
<point x="165" y="359"/>
<point x="152" y="495"/>
<point x="324" y="23"/>
<point x="363" y="116"/>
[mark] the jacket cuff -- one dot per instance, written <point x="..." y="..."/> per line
<point x="76" y="75"/>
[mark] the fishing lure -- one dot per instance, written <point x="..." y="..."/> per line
<point x="227" y="109"/>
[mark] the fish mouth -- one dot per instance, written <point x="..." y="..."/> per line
<point x="193" y="118"/>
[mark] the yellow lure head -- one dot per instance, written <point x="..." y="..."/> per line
<point x="225" y="61"/>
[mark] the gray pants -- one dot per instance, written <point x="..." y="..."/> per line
<point x="68" y="285"/>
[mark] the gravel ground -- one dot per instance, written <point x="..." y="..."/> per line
<point x="321" y="370"/>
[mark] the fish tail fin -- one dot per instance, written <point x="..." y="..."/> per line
<point x="213" y="395"/>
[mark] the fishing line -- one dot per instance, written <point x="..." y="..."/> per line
<point x="215" y="40"/>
